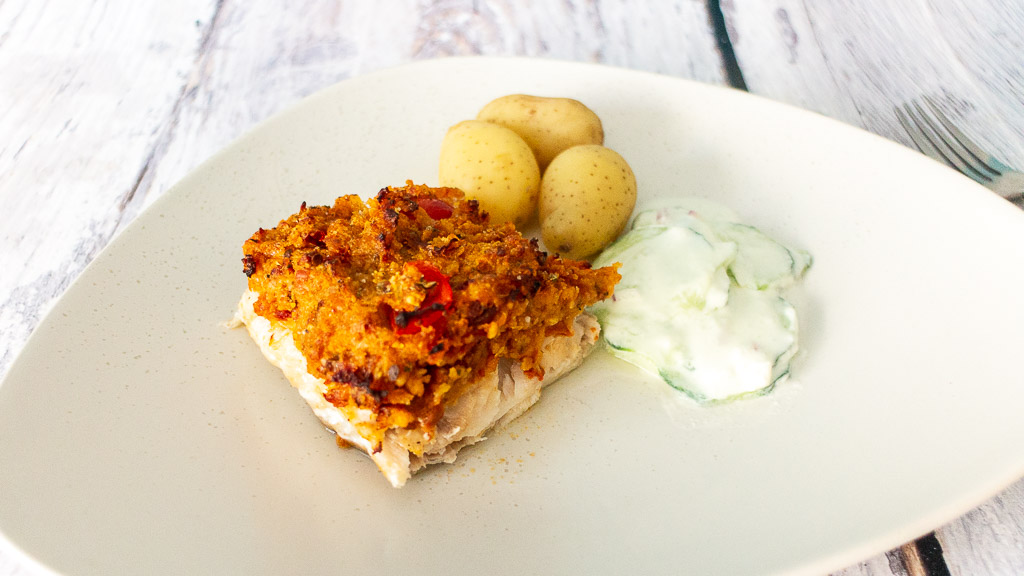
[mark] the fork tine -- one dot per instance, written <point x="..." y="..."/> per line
<point x="920" y="140"/>
<point x="959" y="158"/>
<point x="992" y="165"/>
<point x="928" y="141"/>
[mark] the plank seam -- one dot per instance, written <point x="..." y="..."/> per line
<point x="929" y="550"/>
<point x="731" y="67"/>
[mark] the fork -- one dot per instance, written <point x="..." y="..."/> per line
<point x="938" y="138"/>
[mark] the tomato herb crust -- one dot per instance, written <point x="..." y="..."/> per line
<point x="401" y="302"/>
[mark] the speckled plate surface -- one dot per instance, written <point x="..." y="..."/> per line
<point x="138" y="435"/>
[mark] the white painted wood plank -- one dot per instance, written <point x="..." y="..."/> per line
<point x="853" y="60"/>
<point x="888" y="564"/>
<point x="85" y="88"/>
<point x="989" y="539"/>
<point x="10" y="565"/>
<point x="779" y="57"/>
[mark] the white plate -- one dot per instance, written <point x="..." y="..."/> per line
<point x="137" y="435"/>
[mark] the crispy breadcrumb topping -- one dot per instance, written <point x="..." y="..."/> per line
<point x="400" y="302"/>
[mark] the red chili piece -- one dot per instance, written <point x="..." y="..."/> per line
<point x="431" y="310"/>
<point x="316" y="238"/>
<point x="436" y="209"/>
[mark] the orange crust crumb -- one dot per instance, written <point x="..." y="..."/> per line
<point x="400" y="302"/>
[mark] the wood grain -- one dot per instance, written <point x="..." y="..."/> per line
<point x="889" y="564"/>
<point x="912" y="560"/>
<point x="989" y="539"/>
<point x="854" y="60"/>
<point x="87" y="89"/>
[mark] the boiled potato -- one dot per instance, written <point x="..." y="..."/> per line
<point x="493" y="165"/>
<point x="549" y="125"/>
<point x="586" y="196"/>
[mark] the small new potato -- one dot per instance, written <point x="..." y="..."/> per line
<point x="548" y="125"/>
<point x="586" y="197"/>
<point x="493" y="165"/>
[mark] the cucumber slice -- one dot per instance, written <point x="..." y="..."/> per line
<point x="761" y="262"/>
<point x="802" y="260"/>
<point x="613" y="253"/>
<point x="653" y="269"/>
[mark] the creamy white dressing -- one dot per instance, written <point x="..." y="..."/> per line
<point x="699" y="301"/>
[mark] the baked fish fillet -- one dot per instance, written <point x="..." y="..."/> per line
<point x="410" y="325"/>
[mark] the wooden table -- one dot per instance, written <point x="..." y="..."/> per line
<point x="105" y="104"/>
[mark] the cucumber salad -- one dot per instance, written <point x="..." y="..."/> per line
<point x="699" y="302"/>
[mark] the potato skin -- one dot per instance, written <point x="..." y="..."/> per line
<point x="548" y="125"/>
<point x="494" y="166"/>
<point x="586" y="197"/>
